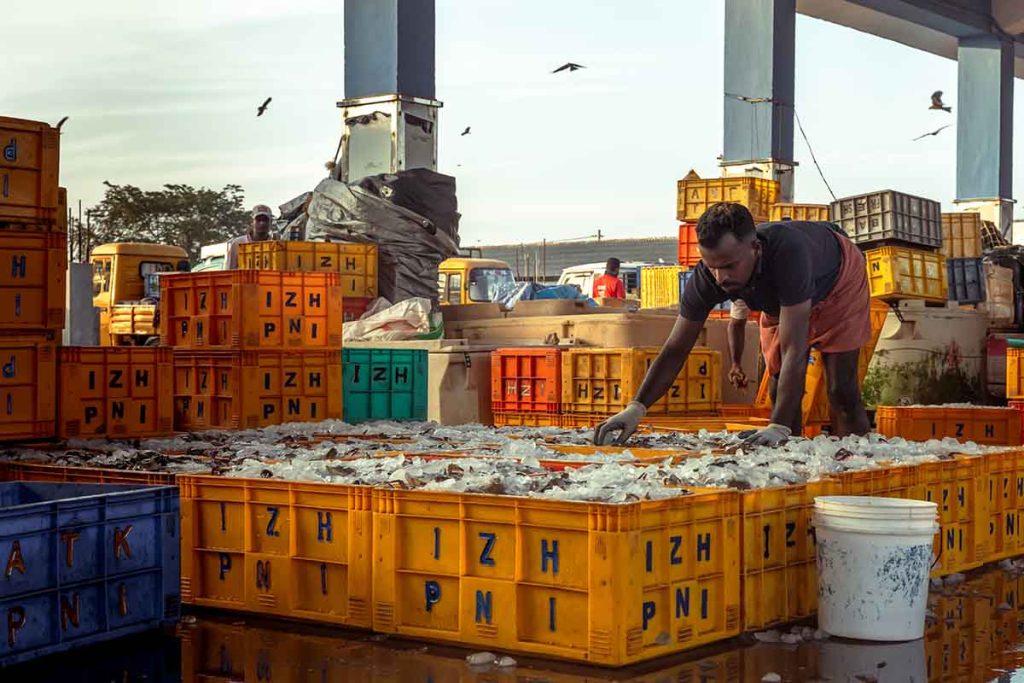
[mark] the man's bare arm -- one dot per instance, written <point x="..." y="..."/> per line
<point x="794" y="322"/>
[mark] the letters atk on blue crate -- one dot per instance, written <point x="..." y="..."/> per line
<point x="84" y="563"/>
<point x="384" y="384"/>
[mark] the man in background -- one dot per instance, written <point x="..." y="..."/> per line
<point x="259" y="231"/>
<point x="609" y="286"/>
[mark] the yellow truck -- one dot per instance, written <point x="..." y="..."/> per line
<point x="472" y="280"/>
<point x="126" y="290"/>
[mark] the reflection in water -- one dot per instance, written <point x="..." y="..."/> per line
<point x="974" y="633"/>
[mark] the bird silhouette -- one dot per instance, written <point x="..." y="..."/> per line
<point x="466" y="132"/>
<point x="62" y="122"/>
<point x="570" y="66"/>
<point x="937" y="102"/>
<point x="934" y="132"/>
<point x="263" y="107"/>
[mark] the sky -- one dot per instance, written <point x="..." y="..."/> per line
<point x="166" y="93"/>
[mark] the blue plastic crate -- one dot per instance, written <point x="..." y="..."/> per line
<point x="384" y="384"/>
<point x="85" y="563"/>
<point x="684" y="277"/>
<point x="966" y="278"/>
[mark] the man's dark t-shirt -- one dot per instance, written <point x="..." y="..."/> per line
<point x="800" y="260"/>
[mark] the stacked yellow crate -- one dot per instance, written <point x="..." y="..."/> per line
<point x="33" y="254"/>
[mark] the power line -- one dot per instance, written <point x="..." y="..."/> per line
<point x="800" y="126"/>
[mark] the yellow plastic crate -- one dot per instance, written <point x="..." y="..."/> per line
<point x="355" y="263"/>
<point x="900" y="273"/>
<point x="801" y="212"/>
<point x="287" y="549"/>
<point x="990" y="426"/>
<point x="1000" y="490"/>
<point x="779" y="553"/>
<point x="1014" y="373"/>
<point x="659" y="286"/>
<point x="961" y="235"/>
<point x="602" y="583"/>
<point x="604" y="381"/>
<point x="951" y="485"/>
<point x="696" y="194"/>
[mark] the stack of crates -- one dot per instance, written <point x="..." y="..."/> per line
<point x="253" y="348"/>
<point x="33" y="272"/>
<point x="696" y="194"/>
<point x="900" y="235"/>
<point x="581" y="387"/>
<point x="961" y="245"/>
<point x="355" y="264"/>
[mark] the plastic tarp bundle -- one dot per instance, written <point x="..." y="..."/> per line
<point x="531" y="291"/>
<point x="409" y="319"/>
<point x="412" y="215"/>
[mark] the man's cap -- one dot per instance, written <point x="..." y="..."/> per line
<point x="262" y="210"/>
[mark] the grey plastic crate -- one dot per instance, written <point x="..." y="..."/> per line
<point x="966" y="280"/>
<point x="890" y="216"/>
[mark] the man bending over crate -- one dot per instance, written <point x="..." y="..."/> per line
<point x="810" y="283"/>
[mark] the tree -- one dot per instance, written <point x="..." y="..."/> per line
<point x="178" y="214"/>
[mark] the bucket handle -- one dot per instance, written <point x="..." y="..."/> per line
<point x="937" y="557"/>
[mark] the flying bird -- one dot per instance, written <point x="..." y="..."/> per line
<point x="263" y="107"/>
<point x="570" y="66"/>
<point x="937" y="102"/>
<point x="62" y="122"/>
<point x="934" y="132"/>
<point x="466" y="132"/>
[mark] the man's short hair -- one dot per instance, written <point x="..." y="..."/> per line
<point x="722" y="219"/>
<point x="612" y="265"/>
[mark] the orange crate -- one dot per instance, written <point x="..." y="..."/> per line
<point x="28" y="388"/>
<point x="25" y="471"/>
<point x="602" y="583"/>
<point x="779" y="553"/>
<point x="251" y="309"/>
<point x="527" y="420"/>
<point x="287" y="549"/>
<point x="115" y="391"/>
<point x="526" y="380"/>
<point x="355" y="263"/>
<point x="29" y="167"/>
<point x="988" y="426"/>
<point x="689" y="251"/>
<point x="249" y="389"/>
<point x="32" y="286"/>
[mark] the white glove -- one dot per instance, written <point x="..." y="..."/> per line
<point x="625" y="423"/>
<point x="772" y="435"/>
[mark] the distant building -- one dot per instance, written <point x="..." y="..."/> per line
<point x="538" y="261"/>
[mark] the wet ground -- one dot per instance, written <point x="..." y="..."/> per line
<point x="975" y="633"/>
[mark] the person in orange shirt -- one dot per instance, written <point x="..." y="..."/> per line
<point x="609" y="286"/>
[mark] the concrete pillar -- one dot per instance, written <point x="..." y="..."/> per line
<point x="760" y="42"/>
<point x="984" y="120"/>
<point x="389" y="48"/>
<point x="82" y="327"/>
<point x="389" y="114"/>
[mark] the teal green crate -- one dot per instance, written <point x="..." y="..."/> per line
<point x="384" y="384"/>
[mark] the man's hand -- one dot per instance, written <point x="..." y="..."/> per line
<point x="625" y="423"/>
<point x="772" y="435"/>
<point x="737" y="377"/>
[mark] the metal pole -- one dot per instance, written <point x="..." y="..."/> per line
<point x="544" y="257"/>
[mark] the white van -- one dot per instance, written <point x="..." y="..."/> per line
<point x="583" y="277"/>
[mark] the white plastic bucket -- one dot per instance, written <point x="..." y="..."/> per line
<point x="874" y="556"/>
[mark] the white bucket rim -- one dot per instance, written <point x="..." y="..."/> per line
<point x="875" y="503"/>
<point x="925" y="529"/>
